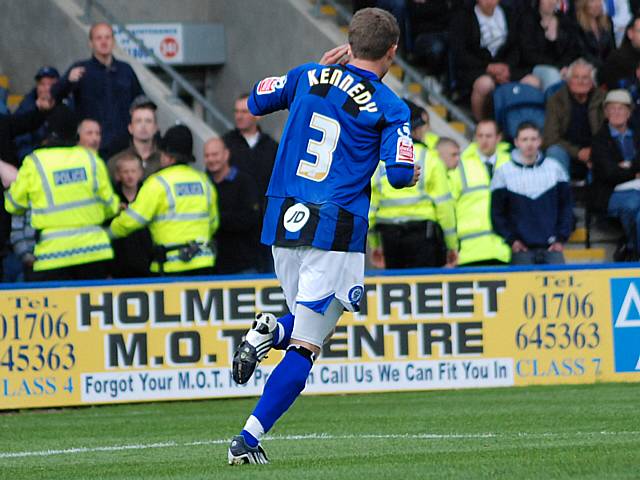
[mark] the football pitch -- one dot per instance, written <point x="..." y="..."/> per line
<point x="590" y="431"/>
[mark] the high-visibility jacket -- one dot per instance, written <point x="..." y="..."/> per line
<point x="70" y="196"/>
<point x="470" y="187"/>
<point x="431" y="140"/>
<point x="180" y="205"/>
<point x="429" y="199"/>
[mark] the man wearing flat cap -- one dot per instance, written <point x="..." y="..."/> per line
<point x="616" y="169"/>
<point x="179" y="205"/>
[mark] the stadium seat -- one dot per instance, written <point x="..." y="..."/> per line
<point x="515" y="103"/>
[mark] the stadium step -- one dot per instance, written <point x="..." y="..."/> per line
<point x="328" y="10"/>
<point x="585" y="255"/>
<point x="458" y="127"/>
<point x="579" y="235"/>
<point x="397" y="71"/>
<point x="415" y="88"/>
<point x="13" y="101"/>
<point x="440" y="110"/>
<point x="4" y="82"/>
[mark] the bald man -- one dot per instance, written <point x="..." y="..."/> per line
<point x="237" y="238"/>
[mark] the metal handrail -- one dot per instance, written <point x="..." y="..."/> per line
<point x="410" y="72"/>
<point x="178" y="80"/>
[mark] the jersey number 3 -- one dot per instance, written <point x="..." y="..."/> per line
<point x="322" y="150"/>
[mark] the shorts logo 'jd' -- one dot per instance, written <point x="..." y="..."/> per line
<point x="296" y="217"/>
<point x="72" y="175"/>
<point x="189" y="188"/>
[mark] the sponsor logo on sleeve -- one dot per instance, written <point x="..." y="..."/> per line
<point x="404" y="150"/>
<point x="271" y="84"/>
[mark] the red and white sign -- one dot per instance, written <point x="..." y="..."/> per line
<point x="165" y="40"/>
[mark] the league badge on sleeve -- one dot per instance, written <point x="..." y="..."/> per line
<point x="270" y="85"/>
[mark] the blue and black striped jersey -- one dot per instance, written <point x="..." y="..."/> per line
<point x="343" y="120"/>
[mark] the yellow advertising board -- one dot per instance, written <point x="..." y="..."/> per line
<point x="127" y="342"/>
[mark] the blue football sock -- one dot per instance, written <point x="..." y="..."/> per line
<point x="283" y="386"/>
<point x="283" y="333"/>
<point x="250" y="439"/>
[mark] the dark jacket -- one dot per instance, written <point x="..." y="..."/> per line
<point x="132" y="254"/>
<point x="531" y="203"/>
<point x="596" y="50"/>
<point x="558" y="116"/>
<point x="605" y="156"/>
<point x="429" y="17"/>
<point x="537" y="50"/>
<point x="104" y="94"/>
<point x="620" y="66"/>
<point x="237" y="238"/>
<point x="471" y="60"/>
<point x="10" y="127"/>
<point x="257" y="161"/>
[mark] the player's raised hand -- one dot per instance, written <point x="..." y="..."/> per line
<point x="339" y="54"/>
<point x="416" y="175"/>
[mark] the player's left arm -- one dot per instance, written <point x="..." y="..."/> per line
<point x="396" y="148"/>
<point x="274" y="93"/>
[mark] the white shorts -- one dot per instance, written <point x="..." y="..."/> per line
<point x="313" y="277"/>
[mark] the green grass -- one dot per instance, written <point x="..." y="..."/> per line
<point x="585" y="432"/>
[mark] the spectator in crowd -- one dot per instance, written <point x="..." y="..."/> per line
<point x="595" y="32"/>
<point x="27" y="142"/>
<point x="237" y="239"/>
<point x="143" y="131"/>
<point x="448" y="152"/>
<point x="574" y="114"/>
<point x="10" y="127"/>
<point x="429" y="29"/>
<point x="430" y="138"/>
<point x="470" y="188"/>
<point x="253" y="152"/>
<point x="102" y="88"/>
<point x="23" y="243"/>
<point x="621" y="12"/>
<point x="616" y="168"/>
<point x="72" y="245"/>
<point x="486" y="52"/>
<point x="89" y="134"/>
<point x="547" y="42"/>
<point x="531" y="202"/>
<point x="415" y="226"/>
<point x="132" y="254"/>
<point x="621" y="64"/>
<point x="180" y="207"/>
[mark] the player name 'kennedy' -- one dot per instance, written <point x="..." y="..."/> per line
<point x="342" y="80"/>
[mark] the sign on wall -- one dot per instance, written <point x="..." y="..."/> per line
<point x="165" y="40"/>
<point x="160" y="341"/>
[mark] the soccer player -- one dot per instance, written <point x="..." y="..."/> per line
<point x="343" y="120"/>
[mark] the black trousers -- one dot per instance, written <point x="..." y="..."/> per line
<point x="85" y="271"/>
<point x="413" y="245"/>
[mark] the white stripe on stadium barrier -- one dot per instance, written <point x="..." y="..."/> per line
<point x="312" y="436"/>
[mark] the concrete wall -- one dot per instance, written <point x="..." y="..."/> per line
<point x="164" y="10"/>
<point x="31" y="36"/>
